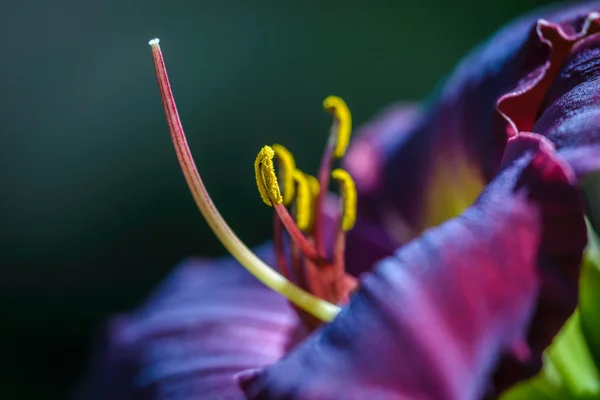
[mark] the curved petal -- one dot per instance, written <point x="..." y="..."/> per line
<point x="585" y="161"/>
<point x="432" y="321"/>
<point x="570" y="369"/>
<point x="210" y="320"/>
<point x="428" y="164"/>
<point x="570" y="114"/>
<point x="560" y="252"/>
<point x="571" y="110"/>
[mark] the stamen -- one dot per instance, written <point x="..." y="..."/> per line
<point x="278" y="249"/>
<point x="313" y="184"/>
<point x="343" y="124"/>
<point x="268" y="187"/>
<point x="348" y="193"/>
<point x="298" y="237"/>
<point x="297" y="262"/>
<point x="315" y="188"/>
<point x="304" y="202"/>
<point x="309" y="303"/>
<point x="287" y="167"/>
<point x="266" y="179"/>
<point x="339" y="137"/>
<point x="345" y="221"/>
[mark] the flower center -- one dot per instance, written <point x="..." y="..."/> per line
<point x="305" y="260"/>
<point x="312" y="278"/>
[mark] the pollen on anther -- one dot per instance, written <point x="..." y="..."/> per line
<point x="287" y="166"/>
<point x="348" y="193"/>
<point x="340" y="111"/>
<point x="154" y="42"/>
<point x="266" y="179"/>
<point x="313" y="184"/>
<point x="304" y="198"/>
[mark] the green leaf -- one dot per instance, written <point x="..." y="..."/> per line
<point x="570" y="363"/>
<point x="589" y="293"/>
<point x="568" y="372"/>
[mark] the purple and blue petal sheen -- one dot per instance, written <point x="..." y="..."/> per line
<point x="209" y="321"/>
<point x="422" y="165"/>
<point x="431" y="321"/>
<point x="469" y="238"/>
<point x="570" y="115"/>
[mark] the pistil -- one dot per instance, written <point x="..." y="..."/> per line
<point x="313" y="305"/>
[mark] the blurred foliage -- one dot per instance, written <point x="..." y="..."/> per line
<point x="570" y="369"/>
<point x="94" y="209"/>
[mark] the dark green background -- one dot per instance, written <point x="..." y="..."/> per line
<point x="94" y="209"/>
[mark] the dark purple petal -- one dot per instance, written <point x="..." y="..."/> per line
<point x="411" y="163"/>
<point x="432" y="321"/>
<point x="434" y="318"/>
<point x="366" y="243"/>
<point x="394" y="159"/>
<point x="584" y="160"/>
<point x="564" y="237"/>
<point x="209" y="321"/>
<point x="570" y="115"/>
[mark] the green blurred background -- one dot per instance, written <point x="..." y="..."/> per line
<point x="94" y="209"/>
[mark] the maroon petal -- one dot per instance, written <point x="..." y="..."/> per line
<point x="209" y="321"/>
<point x="432" y="321"/>
<point x="411" y="162"/>
<point x="563" y="239"/>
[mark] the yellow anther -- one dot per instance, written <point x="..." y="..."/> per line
<point x="287" y="167"/>
<point x="342" y="126"/>
<point x="348" y="192"/>
<point x="315" y="187"/>
<point x="266" y="179"/>
<point x="313" y="184"/>
<point x="304" y="201"/>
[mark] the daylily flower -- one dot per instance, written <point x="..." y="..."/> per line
<point x="461" y="267"/>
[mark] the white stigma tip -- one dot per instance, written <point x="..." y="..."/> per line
<point x="594" y="15"/>
<point x="154" y="42"/>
